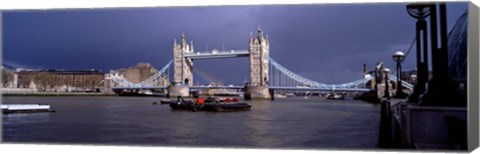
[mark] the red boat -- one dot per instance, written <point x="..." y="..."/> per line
<point x="210" y="105"/>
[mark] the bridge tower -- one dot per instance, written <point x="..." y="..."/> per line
<point x="259" y="49"/>
<point x="182" y="68"/>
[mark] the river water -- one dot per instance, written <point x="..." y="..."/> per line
<point x="289" y="123"/>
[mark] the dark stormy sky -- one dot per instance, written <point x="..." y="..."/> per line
<point x="324" y="42"/>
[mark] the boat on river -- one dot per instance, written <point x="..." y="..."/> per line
<point x="25" y="108"/>
<point x="335" y="96"/>
<point x="222" y="107"/>
<point x="210" y="104"/>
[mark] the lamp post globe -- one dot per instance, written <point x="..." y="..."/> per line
<point x="398" y="57"/>
<point x="418" y="10"/>
<point x="386" y="70"/>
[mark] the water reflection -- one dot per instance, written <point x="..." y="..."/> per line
<point x="261" y="123"/>
<point x="26" y="118"/>
<point x="31" y="123"/>
<point x="183" y="129"/>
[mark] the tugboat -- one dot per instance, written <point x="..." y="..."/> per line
<point x="210" y="104"/>
<point x="182" y="104"/>
<point x="227" y="105"/>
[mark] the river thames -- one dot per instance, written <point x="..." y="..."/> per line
<point x="286" y="123"/>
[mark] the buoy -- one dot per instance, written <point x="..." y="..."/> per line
<point x="200" y="100"/>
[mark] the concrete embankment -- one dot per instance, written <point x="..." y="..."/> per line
<point x="410" y="125"/>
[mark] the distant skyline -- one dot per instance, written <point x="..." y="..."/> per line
<point x="328" y="43"/>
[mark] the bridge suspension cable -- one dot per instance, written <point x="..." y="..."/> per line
<point x="404" y="84"/>
<point x="154" y="80"/>
<point x="281" y="76"/>
<point x="161" y="75"/>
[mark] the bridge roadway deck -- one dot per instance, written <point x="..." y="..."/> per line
<point x="218" y="54"/>
<point x="241" y="87"/>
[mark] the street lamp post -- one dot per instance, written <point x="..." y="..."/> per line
<point x="386" y="72"/>
<point x="398" y="57"/>
<point x="420" y="12"/>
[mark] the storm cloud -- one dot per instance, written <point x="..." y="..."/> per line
<point x="324" y="42"/>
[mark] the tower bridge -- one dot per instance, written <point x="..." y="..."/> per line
<point x="258" y="53"/>
<point x="265" y="73"/>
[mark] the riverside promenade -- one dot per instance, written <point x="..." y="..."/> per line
<point x="413" y="126"/>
